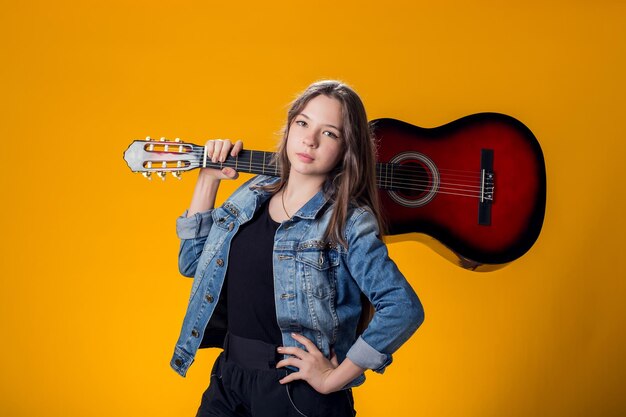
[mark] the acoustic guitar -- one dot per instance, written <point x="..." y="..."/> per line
<point x="473" y="189"/>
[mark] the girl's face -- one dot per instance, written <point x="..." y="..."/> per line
<point x="314" y="142"/>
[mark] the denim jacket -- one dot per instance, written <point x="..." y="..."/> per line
<point x="317" y="287"/>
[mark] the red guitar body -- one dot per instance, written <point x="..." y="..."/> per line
<point x="484" y="185"/>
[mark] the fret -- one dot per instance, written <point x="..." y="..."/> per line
<point x="258" y="162"/>
<point x="249" y="161"/>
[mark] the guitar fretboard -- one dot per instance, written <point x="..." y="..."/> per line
<point x="249" y="161"/>
<point x="388" y="176"/>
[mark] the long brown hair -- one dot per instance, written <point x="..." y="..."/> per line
<point x="353" y="180"/>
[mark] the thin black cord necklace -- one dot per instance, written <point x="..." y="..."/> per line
<point x="282" y="199"/>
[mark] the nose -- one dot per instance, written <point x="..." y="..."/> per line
<point x="310" y="140"/>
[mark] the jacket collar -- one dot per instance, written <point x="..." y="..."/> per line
<point x="310" y="209"/>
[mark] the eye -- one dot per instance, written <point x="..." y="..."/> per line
<point x="330" y="134"/>
<point x="301" y="123"/>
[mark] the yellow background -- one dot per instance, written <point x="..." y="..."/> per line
<point x="91" y="299"/>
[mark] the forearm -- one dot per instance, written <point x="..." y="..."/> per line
<point x="209" y="178"/>
<point x="204" y="194"/>
<point x="345" y="373"/>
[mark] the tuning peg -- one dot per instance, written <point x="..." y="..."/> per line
<point x="176" y="174"/>
<point x="162" y="139"/>
<point x="148" y="138"/>
<point x="147" y="174"/>
<point x="177" y="140"/>
<point x="161" y="175"/>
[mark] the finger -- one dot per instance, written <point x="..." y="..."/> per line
<point x="209" y="146"/>
<point x="310" y="346"/>
<point x="292" y="350"/>
<point x="237" y="148"/>
<point x="217" y="148"/>
<point x="290" y="378"/>
<point x="230" y="173"/>
<point x="226" y="145"/>
<point x="295" y="362"/>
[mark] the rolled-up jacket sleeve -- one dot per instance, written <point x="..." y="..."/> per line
<point x="398" y="310"/>
<point x="195" y="226"/>
<point x="193" y="232"/>
<point x="367" y="357"/>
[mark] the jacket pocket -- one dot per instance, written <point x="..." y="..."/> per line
<point x="318" y="265"/>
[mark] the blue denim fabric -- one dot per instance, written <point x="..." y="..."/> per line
<point x="317" y="287"/>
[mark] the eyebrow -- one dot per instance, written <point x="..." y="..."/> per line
<point x="333" y="126"/>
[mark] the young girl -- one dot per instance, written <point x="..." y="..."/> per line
<point x="284" y="268"/>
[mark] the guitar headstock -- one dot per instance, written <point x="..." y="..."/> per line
<point x="160" y="156"/>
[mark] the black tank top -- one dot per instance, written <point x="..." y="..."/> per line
<point x="250" y="280"/>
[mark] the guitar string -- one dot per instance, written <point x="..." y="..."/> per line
<point x="398" y="181"/>
<point x="199" y="151"/>
<point x="397" y="184"/>
<point x="439" y="190"/>
<point x="444" y="182"/>
<point x="469" y="173"/>
<point x="410" y="175"/>
<point x="472" y="175"/>
<point x="410" y="188"/>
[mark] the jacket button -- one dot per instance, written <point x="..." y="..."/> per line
<point x="209" y="298"/>
<point x="220" y="262"/>
<point x="195" y="333"/>
<point x="178" y="362"/>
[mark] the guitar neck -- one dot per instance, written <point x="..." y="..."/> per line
<point x="262" y="162"/>
<point x="388" y="176"/>
<point x="249" y="161"/>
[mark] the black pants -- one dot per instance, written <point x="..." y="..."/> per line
<point x="244" y="382"/>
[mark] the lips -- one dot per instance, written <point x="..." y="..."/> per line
<point x="304" y="157"/>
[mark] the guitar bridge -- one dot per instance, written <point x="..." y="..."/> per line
<point x="486" y="187"/>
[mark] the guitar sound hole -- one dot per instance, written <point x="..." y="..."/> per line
<point x="411" y="180"/>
